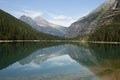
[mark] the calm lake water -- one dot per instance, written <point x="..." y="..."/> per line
<point x="59" y="61"/>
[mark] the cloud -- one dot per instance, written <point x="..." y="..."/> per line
<point x="59" y="61"/>
<point x="64" y="20"/>
<point x="60" y="17"/>
<point x="27" y="12"/>
<point x="32" y="13"/>
<point x="65" y="23"/>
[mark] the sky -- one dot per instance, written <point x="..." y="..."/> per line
<point x="61" y="12"/>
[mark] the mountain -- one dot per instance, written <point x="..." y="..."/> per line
<point x="13" y="52"/>
<point x="81" y="54"/>
<point x="44" y="54"/>
<point x="84" y="25"/>
<point x="12" y="28"/>
<point x="44" y="26"/>
<point x="108" y="26"/>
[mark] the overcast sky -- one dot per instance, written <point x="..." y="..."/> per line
<point x="62" y="12"/>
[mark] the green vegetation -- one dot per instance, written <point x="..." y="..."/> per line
<point x="12" y="52"/>
<point x="106" y="72"/>
<point x="13" y="29"/>
<point x="109" y="31"/>
<point x="106" y="33"/>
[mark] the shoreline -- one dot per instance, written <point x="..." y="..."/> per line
<point x="12" y="41"/>
<point x="102" y="42"/>
<point x="76" y="41"/>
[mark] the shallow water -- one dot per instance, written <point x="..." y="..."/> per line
<point x="59" y="61"/>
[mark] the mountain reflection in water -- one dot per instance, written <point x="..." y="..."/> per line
<point x="58" y="61"/>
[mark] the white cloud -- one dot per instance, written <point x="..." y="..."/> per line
<point x="27" y="12"/>
<point x="65" y="23"/>
<point x="60" y="17"/>
<point x="64" y="20"/>
<point x="63" y="60"/>
<point x="32" y="13"/>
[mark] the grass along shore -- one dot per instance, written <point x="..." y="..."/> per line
<point x="102" y="42"/>
<point x="2" y="41"/>
<point x="78" y="41"/>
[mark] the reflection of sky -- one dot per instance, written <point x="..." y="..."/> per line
<point x="61" y="67"/>
<point x="43" y="54"/>
<point x="57" y="65"/>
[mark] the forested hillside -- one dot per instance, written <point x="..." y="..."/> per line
<point x="13" y="29"/>
<point x="108" y="28"/>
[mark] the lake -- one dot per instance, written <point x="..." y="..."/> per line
<point x="59" y="61"/>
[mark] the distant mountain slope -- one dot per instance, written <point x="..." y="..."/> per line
<point x="84" y="25"/>
<point x="44" y="26"/>
<point x="108" y="26"/>
<point x="12" y="28"/>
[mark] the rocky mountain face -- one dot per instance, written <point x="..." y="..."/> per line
<point x="12" y="28"/>
<point x="44" y="26"/>
<point x="108" y="26"/>
<point x="84" y="25"/>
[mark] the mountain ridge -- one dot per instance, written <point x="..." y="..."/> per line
<point x="12" y="28"/>
<point x="44" y="26"/>
<point x="84" y="25"/>
<point x="108" y="26"/>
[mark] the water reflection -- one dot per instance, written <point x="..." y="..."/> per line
<point x="102" y="59"/>
<point x="59" y="62"/>
<point x="12" y="52"/>
<point x="109" y="59"/>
